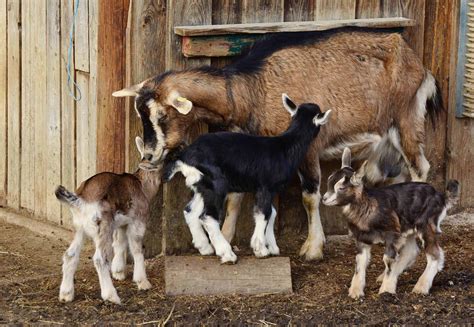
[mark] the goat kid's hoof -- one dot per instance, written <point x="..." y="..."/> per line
<point x="419" y="289"/>
<point x="119" y="275"/>
<point x="262" y="252"/>
<point x="143" y="285"/>
<point x="206" y="250"/>
<point x="114" y="298"/>
<point x="229" y="259"/>
<point x="66" y="296"/>
<point x="274" y="250"/>
<point x="356" y="293"/>
<point x="380" y="278"/>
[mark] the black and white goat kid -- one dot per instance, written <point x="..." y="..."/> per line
<point x="220" y="163"/>
<point x="395" y="215"/>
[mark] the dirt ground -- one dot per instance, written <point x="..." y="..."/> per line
<point x="30" y="274"/>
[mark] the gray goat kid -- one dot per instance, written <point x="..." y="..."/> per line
<point x="113" y="210"/>
<point x="394" y="215"/>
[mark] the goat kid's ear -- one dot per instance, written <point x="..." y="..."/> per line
<point x="289" y="105"/>
<point x="131" y="91"/>
<point x="318" y="121"/>
<point x="181" y="104"/>
<point x="140" y="146"/>
<point x="356" y="179"/>
<point x="346" y="158"/>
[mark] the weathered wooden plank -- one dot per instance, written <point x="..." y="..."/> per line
<point x="146" y="53"/>
<point x="85" y="132"/>
<point x="391" y="8"/>
<point x="14" y="77"/>
<point x="254" y="11"/>
<point x="3" y="103"/>
<point x="198" y="12"/>
<point x="68" y="114"/>
<point x="368" y="9"/>
<point x="320" y="25"/>
<point x="460" y="131"/>
<point x="414" y="9"/>
<point x="299" y="10"/>
<point x="217" y="46"/>
<point x="194" y="275"/>
<point x="335" y="9"/>
<point x="38" y="70"/>
<point x="53" y="109"/>
<point x="93" y="83"/>
<point x="81" y="36"/>
<point x="111" y="74"/>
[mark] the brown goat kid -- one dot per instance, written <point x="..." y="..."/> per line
<point x="394" y="215"/>
<point x="112" y="210"/>
<point x="372" y="80"/>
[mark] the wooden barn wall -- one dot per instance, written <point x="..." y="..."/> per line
<point x="46" y="138"/>
<point x="152" y="48"/>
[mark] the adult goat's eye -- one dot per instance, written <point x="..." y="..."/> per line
<point x="163" y="119"/>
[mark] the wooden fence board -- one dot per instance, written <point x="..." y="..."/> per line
<point x="194" y="275"/>
<point x="147" y="30"/>
<point x="27" y="109"/>
<point x="368" y="8"/>
<point x="93" y="84"/>
<point x="299" y="10"/>
<point x="414" y="9"/>
<point x="14" y="102"/>
<point x="335" y="9"/>
<point x="3" y="103"/>
<point x="84" y="131"/>
<point x="180" y="12"/>
<point x="391" y="8"/>
<point x="68" y="127"/>
<point x="81" y="36"/>
<point x="53" y="109"/>
<point x="38" y="105"/>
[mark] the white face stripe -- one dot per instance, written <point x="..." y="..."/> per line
<point x="156" y="112"/>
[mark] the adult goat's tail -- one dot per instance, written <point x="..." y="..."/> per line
<point x="66" y="196"/>
<point x="430" y="93"/>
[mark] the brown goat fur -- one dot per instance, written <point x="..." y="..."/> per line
<point x="372" y="80"/>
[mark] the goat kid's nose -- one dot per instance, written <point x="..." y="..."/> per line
<point x="147" y="157"/>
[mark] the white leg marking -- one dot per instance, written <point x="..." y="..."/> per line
<point x="270" y="234"/>
<point x="358" y="280"/>
<point x="440" y="219"/>
<point x="312" y="249"/>
<point x="200" y="239"/>
<point x="135" y="234"/>
<point x="107" y="289"/>
<point x="423" y="285"/>
<point x="234" y="201"/>
<point x="222" y="247"/>
<point x="70" y="262"/>
<point x="119" y="261"/>
<point x="258" y="241"/>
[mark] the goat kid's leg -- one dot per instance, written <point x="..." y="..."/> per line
<point x="119" y="261"/>
<point x="192" y="212"/>
<point x="135" y="233"/>
<point x="358" y="280"/>
<point x="434" y="263"/>
<point x="406" y="258"/>
<point x="107" y="289"/>
<point x="234" y="201"/>
<point x="270" y="234"/>
<point x="220" y="244"/>
<point x="262" y="213"/>
<point x="70" y="262"/>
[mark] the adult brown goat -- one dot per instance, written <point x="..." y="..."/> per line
<point x="375" y="84"/>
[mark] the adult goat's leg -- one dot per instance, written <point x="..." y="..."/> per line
<point x="310" y="175"/>
<point x="234" y="201"/>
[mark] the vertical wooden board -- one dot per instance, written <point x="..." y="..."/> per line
<point x="414" y="35"/>
<point x="460" y="135"/>
<point x="369" y="9"/>
<point x="335" y="9"/>
<point x="146" y="53"/>
<point x="27" y="109"/>
<point x="53" y="109"/>
<point x="84" y="136"/>
<point x="93" y="84"/>
<point x="81" y="36"/>
<point x="38" y="63"/>
<point x="180" y="12"/>
<point x="111" y="77"/>
<point x="299" y="10"/>
<point x="14" y="102"/>
<point x="68" y="115"/>
<point x="3" y="102"/>
<point x="391" y="8"/>
<point x="262" y="11"/>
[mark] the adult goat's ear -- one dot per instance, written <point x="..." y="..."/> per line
<point x="289" y="105"/>
<point x="358" y="176"/>
<point x="131" y="91"/>
<point x="181" y="104"/>
<point x="140" y="146"/>
<point x="321" y="120"/>
<point x="346" y="158"/>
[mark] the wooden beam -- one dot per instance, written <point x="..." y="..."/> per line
<point x="217" y="46"/>
<point x="308" y="26"/>
<point x="195" y="275"/>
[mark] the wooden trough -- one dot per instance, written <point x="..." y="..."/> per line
<point x="197" y="275"/>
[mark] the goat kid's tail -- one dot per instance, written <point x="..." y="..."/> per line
<point x="66" y="196"/>
<point x="430" y="90"/>
<point x="452" y="193"/>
